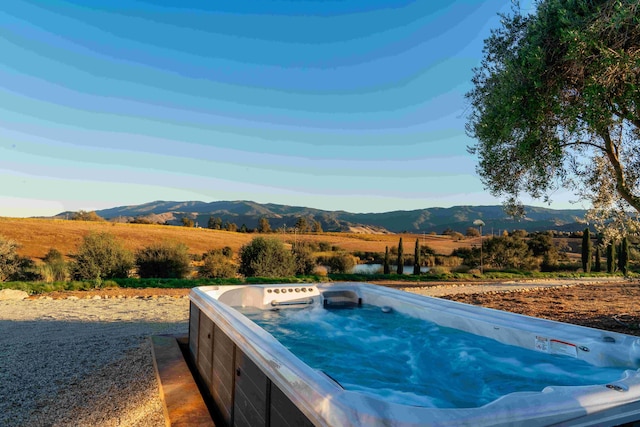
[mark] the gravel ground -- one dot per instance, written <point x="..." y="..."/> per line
<point x="83" y="362"/>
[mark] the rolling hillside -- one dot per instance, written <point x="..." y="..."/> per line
<point x="35" y="236"/>
<point x="457" y="218"/>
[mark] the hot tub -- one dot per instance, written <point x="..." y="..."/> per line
<point x="254" y="380"/>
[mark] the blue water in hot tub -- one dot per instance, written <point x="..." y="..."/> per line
<point x="410" y="361"/>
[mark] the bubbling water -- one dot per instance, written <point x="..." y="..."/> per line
<point x="415" y="362"/>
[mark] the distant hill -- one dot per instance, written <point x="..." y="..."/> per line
<point x="457" y="218"/>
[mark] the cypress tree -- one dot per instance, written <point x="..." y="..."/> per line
<point x="611" y="258"/>
<point x="598" y="263"/>
<point x="586" y="251"/>
<point x="400" y="267"/>
<point x="623" y="257"/>
<point x="416" y="258"/>
<point x="387" y="269"/>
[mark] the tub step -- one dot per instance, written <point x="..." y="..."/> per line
<point x="340" y="299"/>
<point x="183" y="403"/>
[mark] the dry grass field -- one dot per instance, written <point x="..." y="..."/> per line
<point x="37" y="236"/>
<point x="608" y="306"/>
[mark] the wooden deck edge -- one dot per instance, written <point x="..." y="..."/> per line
<point x="183" y="404"/>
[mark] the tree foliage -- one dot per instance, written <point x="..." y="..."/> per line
<point x="623" y="256"/>
<point x="611" y="257"/>
<point x="169" y="260"/>
<point x="266" y="257"/>
<point x="587" y="251"/>
<point x="214" y="223"/>
<point x="543" y="247"/>
<point x="9" y="259"/>
<point x="416" y="258"/>
<point x="230" y="226"/>
<point x="387" y="262"/>
<point x="100" y="256"/>
<point x="86" y="216"/>
<point x="597" y="266"/>
<point x="400" y="262"/>
<point x="316" y="226"/>
<point x="509" y="252"/>
<point x="556" y="102"/>
<point x="470" y="256"/>
<point x="302" y="225"/>
<point x="264" y="226"/>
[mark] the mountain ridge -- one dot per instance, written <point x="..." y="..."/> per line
<point x="428" y="220"/>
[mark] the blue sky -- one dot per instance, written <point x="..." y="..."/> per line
<point x="352" y="105"/>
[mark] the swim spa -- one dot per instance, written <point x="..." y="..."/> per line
<point x="253" y="379"/>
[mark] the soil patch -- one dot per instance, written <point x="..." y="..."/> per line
<point x="612" y="306"/>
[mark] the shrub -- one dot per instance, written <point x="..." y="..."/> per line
<point x="475" y="272"/>
<point x="469" y="256"/>
<point x="324" y="246"/>
<point x="305" y="262"/>
<point x="216" y="265"/>
<point x="100" y="257"/>
<point x="168" y="260"/>
<point x="439" y="271"/>
<point x="26" y="270"/>
<point x="9" y="259"/>
<point x="227" y="251"/>
<point x="472" y="232"/>
<point x="266" y="257"/>
<point x="341" y="263"/>
<point x="462" y="269"/>
<point x="456" y="236"/>
<point x="54" y="268"/>
<point x="53" y="255"/>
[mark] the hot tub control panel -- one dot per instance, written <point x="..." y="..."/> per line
<point x="280" y="296"/>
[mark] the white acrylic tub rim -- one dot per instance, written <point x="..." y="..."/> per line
<point x="327" y="404"/>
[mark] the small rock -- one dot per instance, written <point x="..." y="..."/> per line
<point x="12" y="294"/>
<point x="73" y="297"/>
<point x="96" y="297"/>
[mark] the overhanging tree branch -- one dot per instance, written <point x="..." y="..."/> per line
<point x="621" y="183"/>
<point x="572" y="65"/>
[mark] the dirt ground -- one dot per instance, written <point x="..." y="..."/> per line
<point x="611" y="306"/>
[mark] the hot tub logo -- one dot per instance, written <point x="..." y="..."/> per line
<point x="554" y="346"/>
